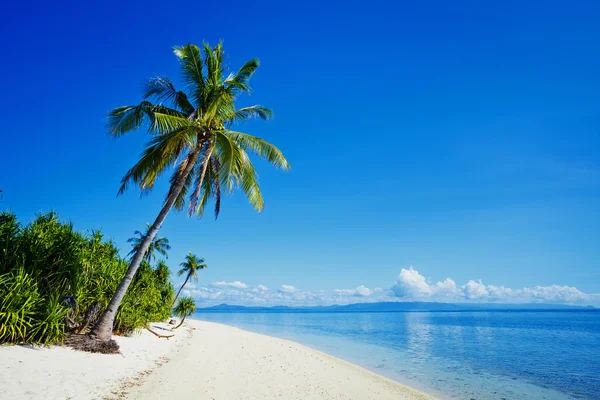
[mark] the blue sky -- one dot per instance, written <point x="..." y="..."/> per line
<point x="461" y="138"/>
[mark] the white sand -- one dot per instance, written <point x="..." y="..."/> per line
<point x="225" y="363"/>
<point x="28" y="372"/>
<point x="205" y="361"/>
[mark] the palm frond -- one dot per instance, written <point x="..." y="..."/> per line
<point x="163" y="123"/>
<point x="180" y="201"/>
<point x="162" y="89"/>
<point x="219" y="105"/>
<point x="240" y="80"/>
<point x="246" y="113"/>
<point x="202" y="192"/>
<point x="190" y="61"/>
<point x="231" y="156"/>
<point x="200" y="179"/>
<point x="213" y="59"/>
<point x="249" y="185"/>
<point x="129" y="118"/>
<point x="160" y="152"/>
<point x="216" y="186"/>
<point x="260" y="147"/>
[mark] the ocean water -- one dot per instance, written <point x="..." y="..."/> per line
<point x="454" y="355"/>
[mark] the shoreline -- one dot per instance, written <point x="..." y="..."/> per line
<point x="204" y="360"/>
<point x="225" y="362"/>
<point x="428" y="391"/>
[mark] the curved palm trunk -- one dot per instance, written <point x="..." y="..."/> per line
<point x="103" y="328"/>
<point x="181" y="288"/>
<point x="158" y="335"/>
<point x="181" y="323"/>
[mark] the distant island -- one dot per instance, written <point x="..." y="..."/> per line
<point x="414" y="306"/>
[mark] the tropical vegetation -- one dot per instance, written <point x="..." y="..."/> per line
<point x="55" y="281"/>
<point x="184" y="308"/>
<point x="191" y="129"/>
<point x="157" y="245"/>
<point x="190" y="268"/>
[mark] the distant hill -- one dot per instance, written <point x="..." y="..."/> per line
<point x="397" y="307"/>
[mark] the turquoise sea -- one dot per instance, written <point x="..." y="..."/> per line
<point x="453" y="355"/>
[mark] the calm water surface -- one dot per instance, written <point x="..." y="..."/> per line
<point x="458" y="355"/>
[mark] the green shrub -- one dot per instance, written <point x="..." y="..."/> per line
<point x="19" y="301"/>
<point x="52" y="277"/>
<point x="49" y="322"/>
<point x="9" y="228"/>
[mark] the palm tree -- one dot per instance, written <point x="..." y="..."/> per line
<point x="160" y="245"/>
<point x="190" y="267"/>
<point x="185" y="308"/>
<point x="195" y="134"/>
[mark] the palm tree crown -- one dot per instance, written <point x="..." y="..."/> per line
<point x="190" y="268"/>
<point x="185" y="308"/>
<point x="158" y="244"/>
<point x="198" y="121"/>
<point x="191" y="265"/>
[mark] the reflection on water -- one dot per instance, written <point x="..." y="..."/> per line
<point x="480" y="355"/>
<point x="418" y="341"/>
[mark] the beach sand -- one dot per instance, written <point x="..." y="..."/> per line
<point x="56" y="372"/>
<point x="204" y="361"/>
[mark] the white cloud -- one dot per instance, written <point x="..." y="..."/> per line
<point x="475" y="290"/>
<point x="360" y="291"/>
<point x="235" y="284"/>
<point x="447" y="288"/>
<point x="287" y="289"/>
<point x="409" y="286"/>
<point x="556" y="293"/>
<point x="413" y="286"/>
<point x="260" y="288"/>
<point x="260" y="295"/>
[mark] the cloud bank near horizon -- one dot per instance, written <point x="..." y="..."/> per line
<point x="410" y="285"/>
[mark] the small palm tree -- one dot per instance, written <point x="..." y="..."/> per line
<point x="158" y="244"/>
<point x="190" y="267"/>
<point x="192" y="130"/>
<point x="185" y="308"/>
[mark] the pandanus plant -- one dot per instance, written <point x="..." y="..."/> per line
<point x="191" y="129"/>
